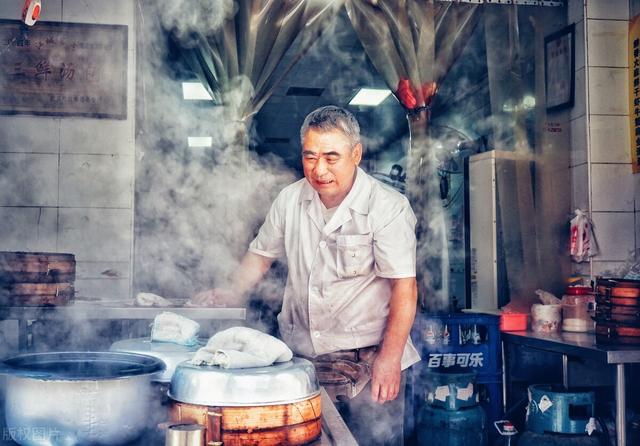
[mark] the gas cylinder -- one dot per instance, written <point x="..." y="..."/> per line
<point x="442" y="427"/>
<point x="558" y="417"/>
<point x="451" y="415"/>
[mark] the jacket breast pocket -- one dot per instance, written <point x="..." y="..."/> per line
<point x="354" y="255"/>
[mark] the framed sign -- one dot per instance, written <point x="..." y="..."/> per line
<point x="559" y="65"/>
<point x="63" y="69"/>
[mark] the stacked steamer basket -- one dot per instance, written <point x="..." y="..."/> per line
<point x="618" y="311"/>
<point x="36" y="279"/>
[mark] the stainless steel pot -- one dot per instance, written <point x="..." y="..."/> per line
<point x="282" y="383"/>
<point x="78" y="398"/>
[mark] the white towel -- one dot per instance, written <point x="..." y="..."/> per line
<point x="151" y="300"/>
<point x="171" y="327"/>
<point x="242" y="347"/>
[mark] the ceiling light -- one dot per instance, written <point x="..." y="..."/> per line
<point x="195" y="91"/>
<point x="199" y="141"/>
<point x="370" y="96"/>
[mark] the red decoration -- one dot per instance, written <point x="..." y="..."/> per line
<point x="407" y="96"/>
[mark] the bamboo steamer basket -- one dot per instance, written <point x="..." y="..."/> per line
<point x="36" y="278"/>
<point x="617" y="311"/>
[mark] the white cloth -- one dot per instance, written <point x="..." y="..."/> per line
<point x="242" y="347"/>
<point x="172" y="327"/>
<point x="151" y="300"/>
<point x="337" y="293"/>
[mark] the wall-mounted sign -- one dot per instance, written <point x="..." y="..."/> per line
<point x="634" y="91"/>
<point x="63" y="69"/>
<point x="559" y="68"/>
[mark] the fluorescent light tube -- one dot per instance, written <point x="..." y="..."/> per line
<point x="195" y="91"/>
<point x="370" y="96"/>
<point x="199" y="141"/>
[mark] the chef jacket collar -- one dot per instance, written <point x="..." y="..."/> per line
<point x="357" y="199"/>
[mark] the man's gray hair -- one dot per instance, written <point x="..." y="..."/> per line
<point x="331" y="117"/>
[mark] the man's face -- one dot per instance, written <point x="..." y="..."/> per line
<point x="329" y="162"/>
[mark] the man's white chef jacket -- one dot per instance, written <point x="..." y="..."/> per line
<point x="337" y="293"/>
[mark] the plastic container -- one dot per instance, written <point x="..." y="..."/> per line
<point x="577" y="306"/>
<point x="513" y="321"/>
<point x="546" y="318"/>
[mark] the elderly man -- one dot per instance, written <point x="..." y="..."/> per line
<point x="350" y="297"/>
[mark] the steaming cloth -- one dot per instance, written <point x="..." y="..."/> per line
<point x="242" y="347"/>
<point x="171" y="327"/>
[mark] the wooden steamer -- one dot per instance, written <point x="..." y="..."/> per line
<point x="617" y="311"/>
<point x="265" y="406"/>
<point x="36" y="278"/>
<point x="283" y="424"/>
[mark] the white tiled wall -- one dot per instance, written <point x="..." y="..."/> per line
<point x="605" y="186"/>
<point x="66" y="184"/>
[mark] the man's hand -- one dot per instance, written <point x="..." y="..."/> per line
<point x="216" y="297"/>
<point x="385" y="378"/>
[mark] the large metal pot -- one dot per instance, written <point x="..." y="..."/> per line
<point x="78" y="398"/>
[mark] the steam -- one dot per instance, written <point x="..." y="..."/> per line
<point x="197" y="209"/>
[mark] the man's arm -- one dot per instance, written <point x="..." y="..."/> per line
<point x="385" y="376"/>
<point x="250" y="271"/>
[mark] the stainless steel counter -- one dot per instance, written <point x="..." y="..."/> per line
<point x="334" y="430"/>
<point x="583" y="345"/>
<point x="108" y="311"/>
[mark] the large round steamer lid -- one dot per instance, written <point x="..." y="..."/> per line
<point x="171" y="354"/>
<point x="282" y="383"/>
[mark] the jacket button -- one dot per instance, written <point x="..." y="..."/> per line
<point x="323" y="244"/>
<point x="316" y="334"/>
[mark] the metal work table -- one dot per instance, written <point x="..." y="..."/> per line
<point x="583" y="345"/>
<point x="114" y="311"/>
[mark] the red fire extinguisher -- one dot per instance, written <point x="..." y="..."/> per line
<point x="31" y="11"/>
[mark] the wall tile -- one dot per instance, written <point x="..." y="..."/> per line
<point x="98" y="136"/>
<point x="608" y="9"/>
<point x="102" y="289"/>
<point x="637" y="226"/>
<point x="636" y="188"/>
<point x="580" y="45"/>
<point x="102" y="270"/>
<point x="28" y="179"/>
<point x="579" y="107"/>
<point x="579" y="141"/>
<point x="608" y="91"/>
<point x="116" y="12"/>
<point x="29" y="134"/>
<point x="607" y="43"/>
<point x="615" y="233"/>
<point x="96" y="181"/>
<point x="28" y="229"/>
<point x="580" y="187"/>
<point x="575" y="10"/>
<point x="609" y="139"/>
<point x="102" y="235"/>
<point x="612" y="187"/>
<point x="610" y="269"/>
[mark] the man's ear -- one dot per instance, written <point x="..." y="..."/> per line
<point x="356" y="153"/>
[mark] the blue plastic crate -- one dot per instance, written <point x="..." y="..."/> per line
<point x="459" y="342"/>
